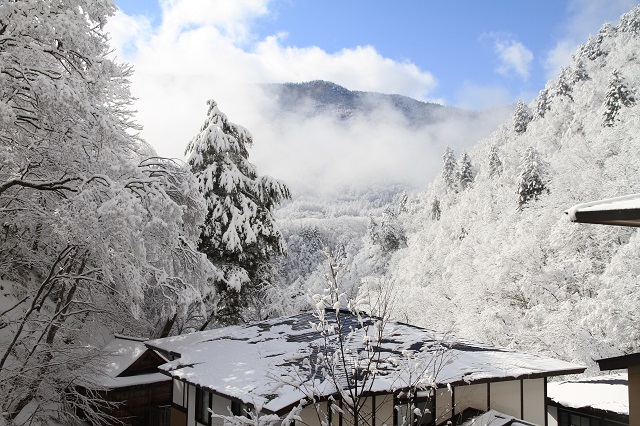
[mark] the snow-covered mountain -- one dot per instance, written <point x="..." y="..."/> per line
<point x="324" y="97"/>
<point x="487" y="252"/>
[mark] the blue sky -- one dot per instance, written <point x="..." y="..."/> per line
<point x="458" y="42"/>
<point x="465" y="53"/>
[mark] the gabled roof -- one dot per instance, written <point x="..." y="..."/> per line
<point x="261" y="363"/>
<point x="496" y="418"/>
<point x="604" y="393"/>
<point x="620" y="211"/>
<point x="122" y="355"/>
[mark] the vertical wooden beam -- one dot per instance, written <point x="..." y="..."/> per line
<point x="522" y="399"/>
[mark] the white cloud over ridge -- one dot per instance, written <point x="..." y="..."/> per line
<point x="203" y="49"/>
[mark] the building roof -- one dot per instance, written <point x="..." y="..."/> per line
<point x="606" y="393"/>
<point x="263" y="364"/>
<point x="619" y="362"/>
<point x="496" y="418"/>
<point x="121" y="356"/>
<point x="620" y="211"/>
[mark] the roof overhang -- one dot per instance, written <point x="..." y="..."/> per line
<point x="618" y="211"/>
<point x="619" y="362"/>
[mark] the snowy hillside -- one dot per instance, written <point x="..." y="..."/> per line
<point x="486" y="251"/>
<point x="490" y="253"/>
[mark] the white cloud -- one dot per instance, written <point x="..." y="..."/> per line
<point x="513" y="55"/>
<point x="586" y="17"/>
<point x="205" y="49"/>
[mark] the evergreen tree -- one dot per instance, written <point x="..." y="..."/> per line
<point x="239" y="235"/>
<point x="564" y="84"/>
<point x="618" y="95"/>
<point x="495" y="164"/>
<point x="389" y="233"/>
<point x="543" y="104"/>
<point x="521" y="117"/>
<point x="579" y="72"/>
<point x="435" y="209"/>
<point x="532" y="178"/>
<point x="449" y="168"/>
<point x="464" y="172"/>
<point x="593" y="49"/>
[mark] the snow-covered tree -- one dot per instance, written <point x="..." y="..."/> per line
<point x="449" y="169"/>
<point x="564" y="84"/>
<point x="464" y="172"/>
<point x="388" y="234"/>
<point x="593" y="48"/>
<point x="618" y="95"/>
<point x="495" y="164"/>
<point x="240" y="233"/>
<point x="543" y="104"/>
<point x="435" y="209"/>
<point x="521" y="117"/>
<point x="97" y="234"/>
<point x="532" y="181"/>
<point x="579" y="71"/>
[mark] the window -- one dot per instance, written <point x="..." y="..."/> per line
<point x="203" y="403"/>
<point x="416" y="410"/>
<point x="239" y="409"/>
<point x="567" y="418"/>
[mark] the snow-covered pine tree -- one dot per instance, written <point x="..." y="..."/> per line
<point x="435" y="209"/>
<point x="495" y="164"/>
<point x="521" y="117"/>
<point x="449" y="169"/>
<point x="239" y="235"/>
<point x="532" y="179"/>
<point x="618" y="95"/>
<point x="579" y="71"/>
<point x="543" y="104"/>
<point x="564" y="84"/>
<point x="592" y="49"/>
<point x="464" y="171"/>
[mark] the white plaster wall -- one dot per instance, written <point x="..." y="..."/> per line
<point x="534" y="403"/>
<point x="178" y="393"/>
<point x="384" y="410"/>
<point x="443" y="405"/>
<point x="366" y="412"/>
<point x="471" y="396"/>
<point x="220" y="406"/>
<point x="505" y="397"/>
<point x="309" y="415"/>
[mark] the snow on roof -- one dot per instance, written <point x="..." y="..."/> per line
<point x="120" y="354"/>
<point x="496" y="418"/>
<point x="608" y="393"/>
<point x="261" y="363"/>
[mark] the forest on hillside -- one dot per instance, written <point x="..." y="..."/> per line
<point x="486" y="251"/>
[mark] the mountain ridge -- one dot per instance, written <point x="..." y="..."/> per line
<point x="322" y="97"/>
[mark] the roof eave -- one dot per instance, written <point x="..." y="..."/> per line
<point x="619" y="362"/>
<point x="625" y="217"/>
